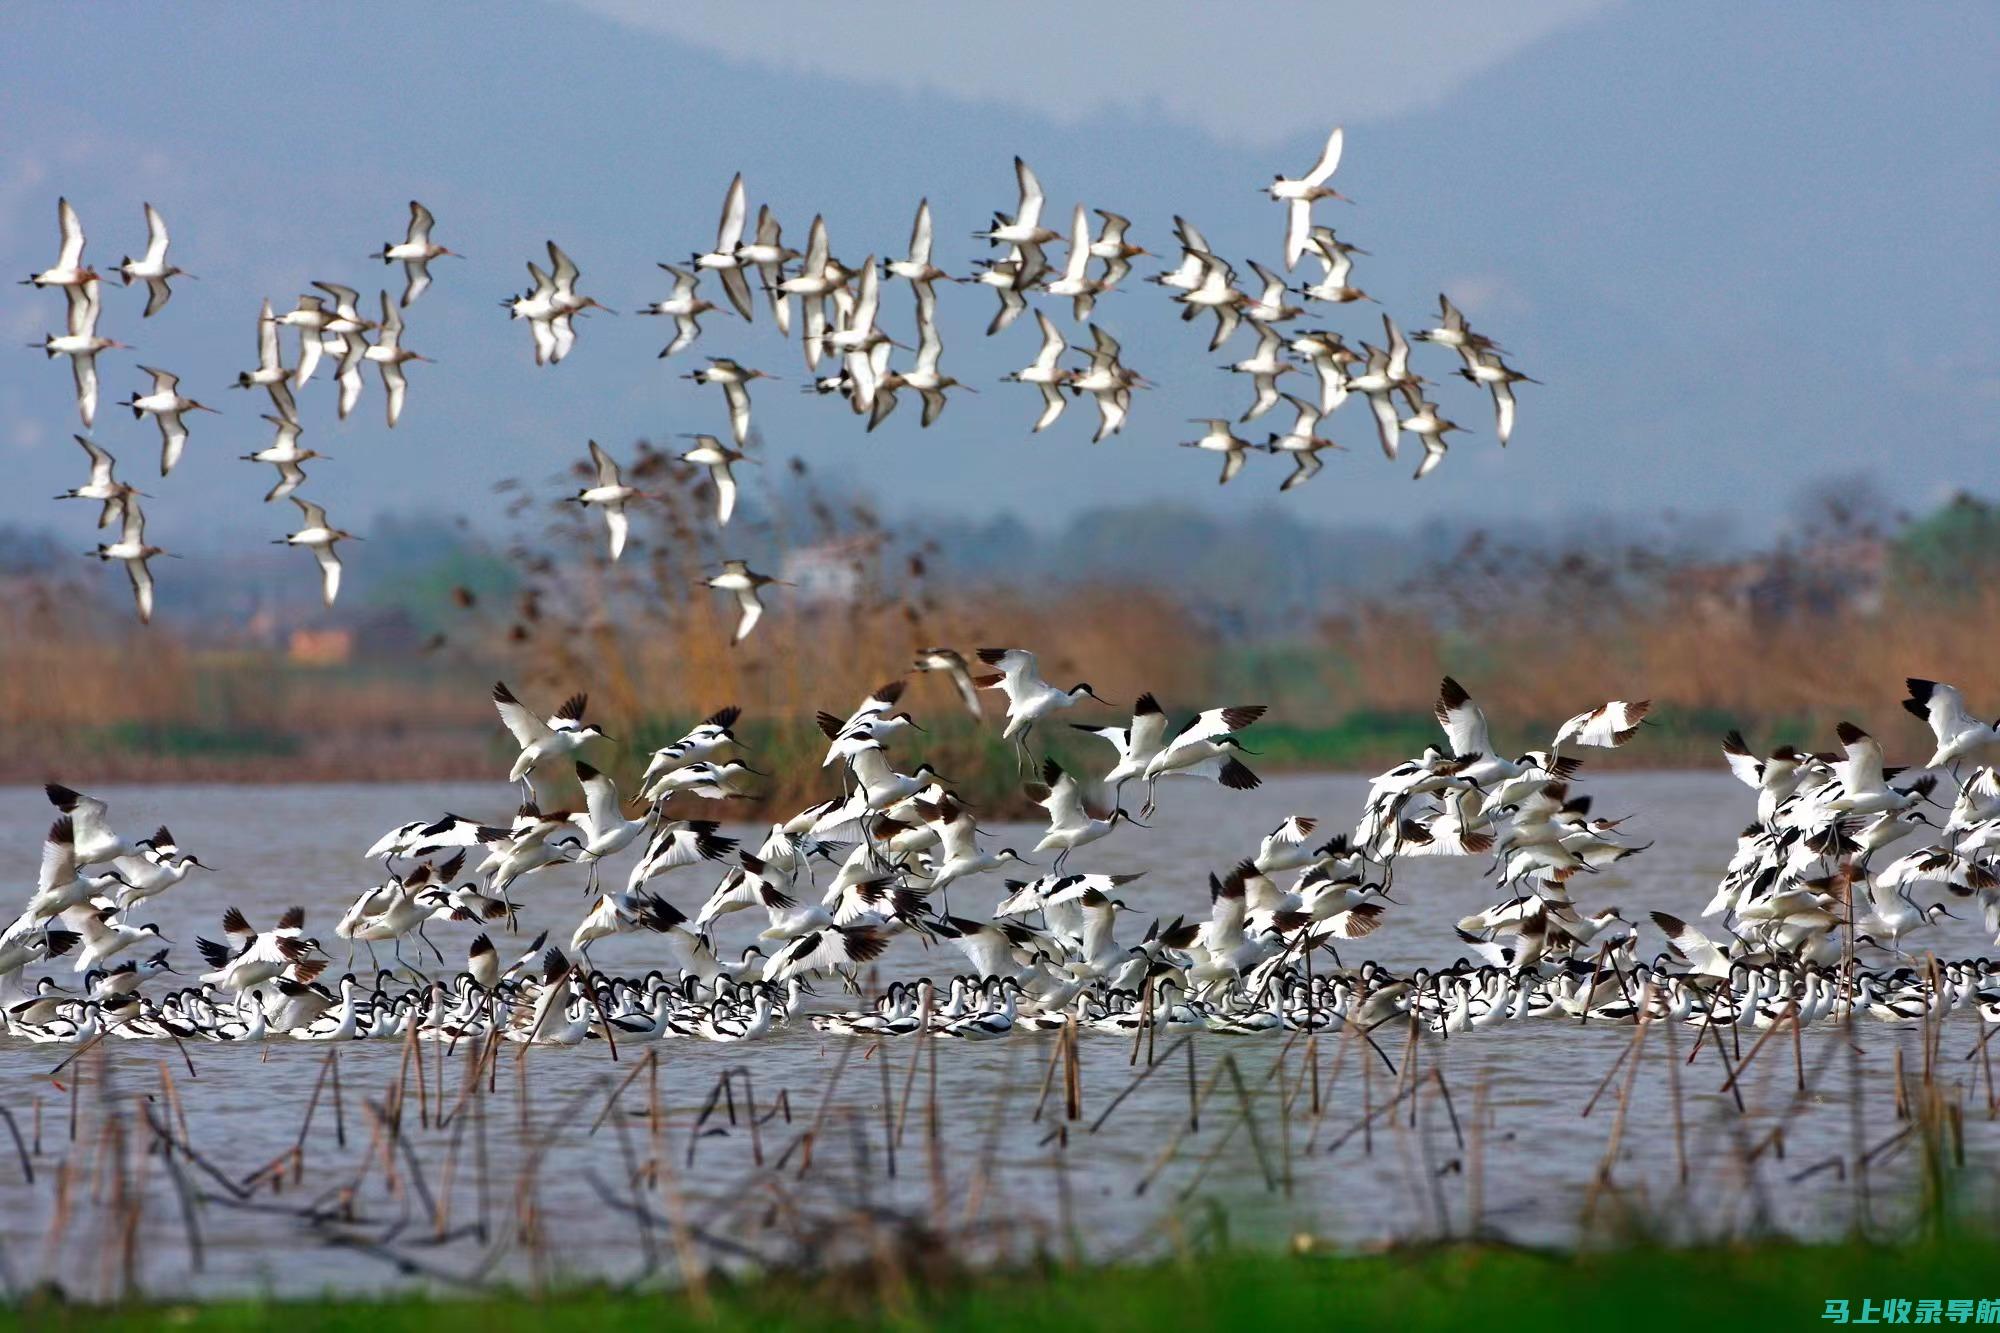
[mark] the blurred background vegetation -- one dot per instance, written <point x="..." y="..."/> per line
<point x="1342" y="628"/>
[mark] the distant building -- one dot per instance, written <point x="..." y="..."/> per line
<point x="834" y="571"/>
<point x="320" y="647"/>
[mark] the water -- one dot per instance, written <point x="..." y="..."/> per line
<point x="1521" y="1156"/>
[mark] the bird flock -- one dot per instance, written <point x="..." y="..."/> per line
<point x="1806" y="923"/>
<point x="837" y="310"/>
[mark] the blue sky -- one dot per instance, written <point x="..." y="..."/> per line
<point x="1745" y="246"/>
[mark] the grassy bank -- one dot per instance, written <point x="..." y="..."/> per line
<point x="1772" y="1285"/>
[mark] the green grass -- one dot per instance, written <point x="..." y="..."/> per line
<point x="1771" y="1285"/>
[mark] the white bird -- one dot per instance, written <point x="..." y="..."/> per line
<point x="1073" y="282"/>
<point x="723" y="260"/>
<point x="103" y="485"/>
<point x="563" y="733"/>
<point x="1427" y="425"/>
<point x="165" y="403"/>
<point x="1108" y="381"/>
<point x="153" y="268"/>
<point x="606" y="831"/>
<point x="270" y="374"/>
<point x="1136" y="743"/>
<point x="1206" y="748"/>
<point x="69" y="269"/>
<point x="284" y="453"/>
<point x="1302" y="442"/>
<point x="834" y="949"/>
<point x="537" y="306"/>
<point x="1298" y="196"/>
<point x="1025" y="228"/>
<point x="1071" y="825"/>
<point x="1608" y="725"/>
<point x="310" y="317"/>
<point x="1264" y="366"/>
<point x="683" y="306"/>
<point x="717" y="457"/>
<point x="735" y="381"/>
<point x="1961" y="737"/>
<point x="610" y="494"/>
<point x="737" y="577"/>
<point x="390" y="356"/>
<point x="81" y="343"/>
<point x="953" y="664"/>
<point x="1218" y="438"/>
<point x="710" y="738"/>
<point x="414" y="252"/>
<point x="132" y="550"/>
<point x="1029" y="697"/>
<point x="1499" y="378"/>
<point x="1045" y="374"/>
<point x="317" y="535"/>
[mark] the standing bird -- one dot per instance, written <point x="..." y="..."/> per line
<point x="319" y="536"/>
<point x="153" y="269"/>
<point x="609" y="494"/>
<point x="414" y="252"/>
<point x="166" y="404"/>
<point x="1298" y="196"/>
<point x="745" y="582"/>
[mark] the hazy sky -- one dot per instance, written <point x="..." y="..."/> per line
<point x="1743" y="245"/>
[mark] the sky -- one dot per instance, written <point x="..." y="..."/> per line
<point x="1744" y="246"/>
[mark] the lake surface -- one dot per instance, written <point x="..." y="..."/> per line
<point x="522" y="1186"/>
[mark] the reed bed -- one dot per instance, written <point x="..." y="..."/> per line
<point x="1536" y="636"/>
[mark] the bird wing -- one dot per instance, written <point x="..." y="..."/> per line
<point x="1329" y="158"/>
<point x="600" y="798"/>
<point x="1464" y="722"/>
<point x="142" y="588"/>
<point x="753" y="611"/>
<point x="619" y="525"/>
<point x="329" y="572"/>
<point x="920" y="235"/>
<point x="71" y="227"/>
<point x="1030" y="214"/>
<point x="156" y="237"/>
<point x="527" y="728"/>
<point x="59" y="854"/>
<point x="729" y="232"/>
<point x="607" y="468"/>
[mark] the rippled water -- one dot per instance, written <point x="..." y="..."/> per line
<point x="1499" y="1135"/>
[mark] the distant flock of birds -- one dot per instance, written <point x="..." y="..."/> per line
<point x="1806" y="925"/>
<point x="836" y="307"/>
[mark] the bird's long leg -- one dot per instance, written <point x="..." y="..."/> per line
<point x="427" y="940"/>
